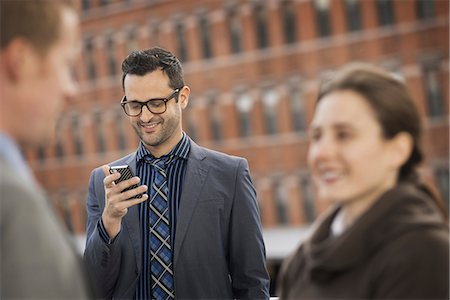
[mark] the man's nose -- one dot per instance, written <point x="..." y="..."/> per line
<point x="146" y="114"/>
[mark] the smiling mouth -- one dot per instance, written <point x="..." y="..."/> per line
<point x="330" y="177"/>
<point x="149" y="127"/>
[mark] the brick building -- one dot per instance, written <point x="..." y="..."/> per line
<point x="254" y="68"/>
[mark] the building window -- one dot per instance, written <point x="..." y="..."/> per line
<point x="215" y="115"/>
<point x="181" y="38"/>
<point x="155" y="32"/>
<point x="309" y="209"/>
<point x="297" y="107"/>
<point x="77" y="134"/>
<point x="262" y="34"/>
<point x="132" y="41"/>
<point x="352" y="9"/>
<point x="98" y="128"/>
<point x="191" y="123"/>
<point x="59" y="149"/>
<point x="270" y="99"/>
<point x="433" y="90"/>
<point x="234" y="27"/>
<point x="111" y="55"/>
<point x="442" y="176"/>
<point x="205" y="35"/>
<point x="121" y="136"/>
<point x="85" y="5"/>
<point x="90" y="60"/>
<point x="281" y="201"/>
<point x="386" y="14"/>
<point x="41" y="154"/>
<point x="289" y="22"/>
<point x="322" y="8"/>
<point x="425" y="9"/>
<point x="244" y="106"/>
<point x="64" y="201"/>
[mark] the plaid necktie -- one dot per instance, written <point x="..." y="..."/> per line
<point x="160" y="243"/>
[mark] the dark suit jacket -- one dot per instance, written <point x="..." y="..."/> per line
<point x="219" y="250"/>
<point x="37" y="260"/>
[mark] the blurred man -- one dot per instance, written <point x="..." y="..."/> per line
<point x="199" y="234"/>
<point x="39" y="42"/>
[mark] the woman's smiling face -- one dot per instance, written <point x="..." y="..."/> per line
<point x="348" y="156"/>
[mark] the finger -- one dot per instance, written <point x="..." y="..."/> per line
<point x="108" y="181"/>
<point x="126" y="195"/>
<point x="127" y="183"/>
<point x="134" y="201"/>
<point x="105" y="169"/>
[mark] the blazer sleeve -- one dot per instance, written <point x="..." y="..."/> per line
<point x="102" y="259"/>
<point x="247" y="262"/>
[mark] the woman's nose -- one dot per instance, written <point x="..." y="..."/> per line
<point x="323" y="149"/>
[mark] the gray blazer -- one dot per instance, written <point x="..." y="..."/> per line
<point x="36" y="257"/>
<point x="219" y="250"/>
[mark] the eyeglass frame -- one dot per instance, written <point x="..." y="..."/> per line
<point x="123" y="102"/>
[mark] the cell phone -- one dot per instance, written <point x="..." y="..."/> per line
<point x="125" y="174"/>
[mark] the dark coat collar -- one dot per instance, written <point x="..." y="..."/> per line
<point x="398" y="210"/>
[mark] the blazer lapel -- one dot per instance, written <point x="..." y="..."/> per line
<point x="196" y="172"/>
<point x="131" y="220"/>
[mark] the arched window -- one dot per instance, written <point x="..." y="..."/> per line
<point x="244" y="106"/>
<point x="322" y="8"/>
<point x="205" y="36"/>
<point x="235" y="29"/>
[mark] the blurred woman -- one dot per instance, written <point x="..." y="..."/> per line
<point x="386" y="237"/>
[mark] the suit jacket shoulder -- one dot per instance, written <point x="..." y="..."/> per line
<point x="37" y="260"/>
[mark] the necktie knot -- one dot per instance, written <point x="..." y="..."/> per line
<point x="160" y="163"/>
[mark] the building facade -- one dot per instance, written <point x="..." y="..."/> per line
<point x="254" y="68"/>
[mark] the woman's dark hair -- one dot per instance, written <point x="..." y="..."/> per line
<point x="141" y="62"/>
<point x="393" y="107"/>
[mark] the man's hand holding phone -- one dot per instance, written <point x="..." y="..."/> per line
<point x="121" y="192"/>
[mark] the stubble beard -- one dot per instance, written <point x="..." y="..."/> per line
<point x="158" y="138"/>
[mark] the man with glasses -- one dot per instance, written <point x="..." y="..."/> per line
<point x="192" y="229"/>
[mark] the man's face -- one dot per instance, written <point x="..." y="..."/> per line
<point x="44" y="85"/>
<point x="159" y="132"/>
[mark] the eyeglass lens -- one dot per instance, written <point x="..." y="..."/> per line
<point x="134" y="108"/>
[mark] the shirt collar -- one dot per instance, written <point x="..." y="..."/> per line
<point x="11" y="153"/>
<point x="181" y="150"/>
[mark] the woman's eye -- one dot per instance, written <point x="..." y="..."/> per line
<point x="314" y="136"/>
<point x="343" y="135"/>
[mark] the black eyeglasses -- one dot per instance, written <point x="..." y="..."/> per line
<point x="155" y="105"/>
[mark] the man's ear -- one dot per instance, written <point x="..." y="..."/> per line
<point x="401" y="146"/>
<point x="19" y="60"/>
<point x="183" y="96"/>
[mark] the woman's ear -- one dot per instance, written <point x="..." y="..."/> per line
<point x="401" y="147"/>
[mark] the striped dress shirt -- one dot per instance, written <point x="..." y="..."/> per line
<point x="175" y="177"/>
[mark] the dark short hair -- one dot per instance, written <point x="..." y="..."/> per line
<point x="38" y="21"/>
<point x="141" y="62"/>
<point x="390" y="100"/>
